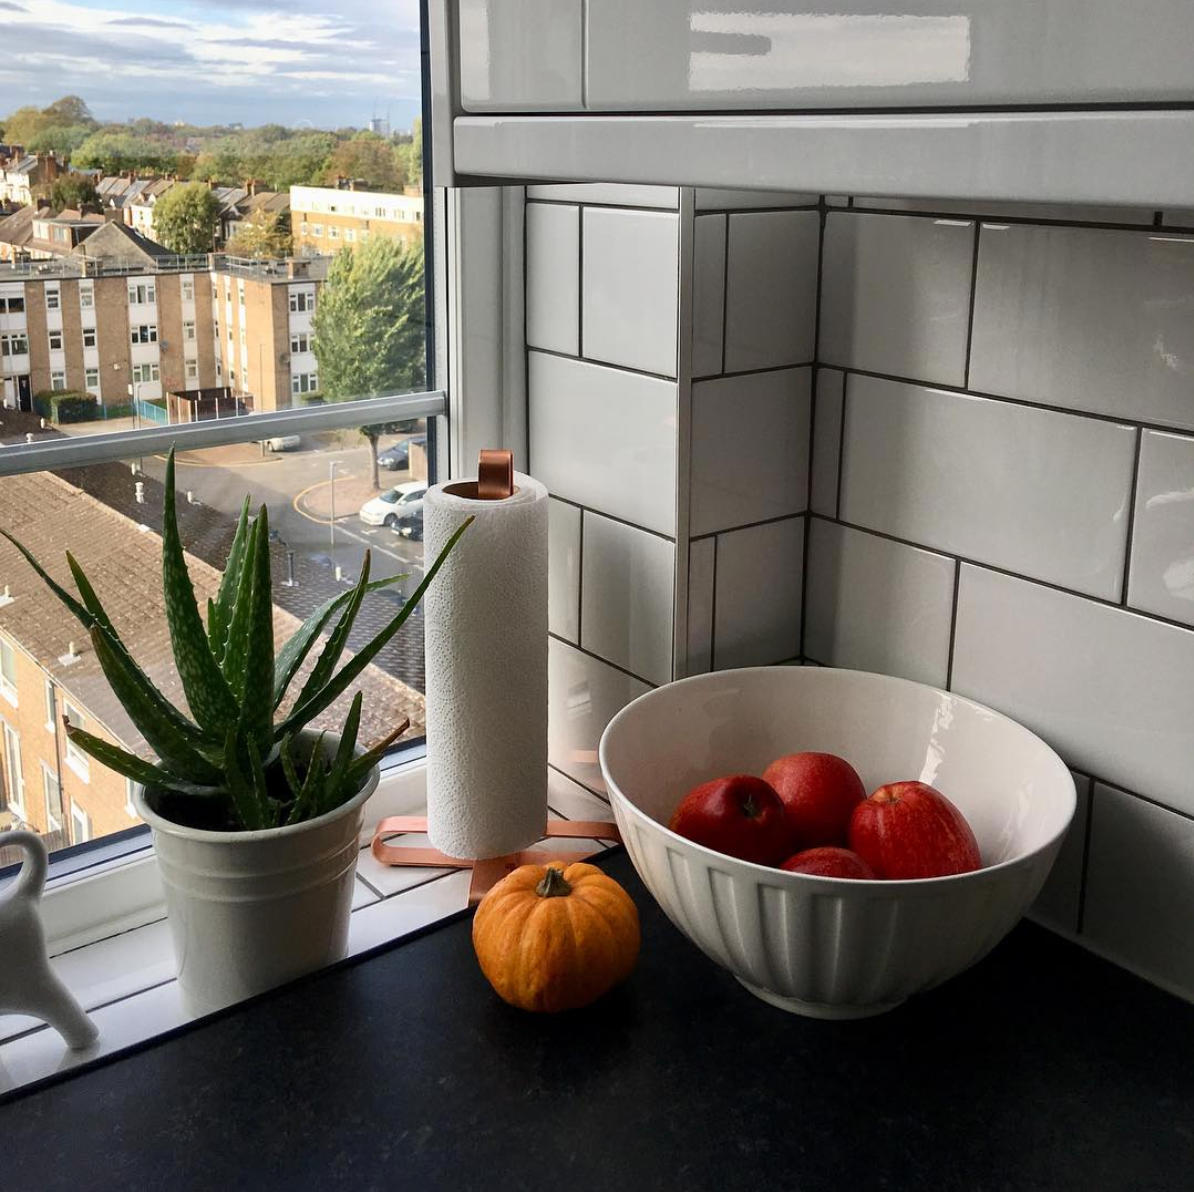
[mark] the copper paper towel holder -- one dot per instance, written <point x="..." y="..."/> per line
<point x="495" y="482"/>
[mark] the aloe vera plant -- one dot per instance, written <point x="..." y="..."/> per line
<point x="237" y="761"/>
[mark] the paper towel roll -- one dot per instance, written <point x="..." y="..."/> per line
<point x="486" y="648"/>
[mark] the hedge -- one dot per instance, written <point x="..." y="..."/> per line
<point x="61" y="405"/>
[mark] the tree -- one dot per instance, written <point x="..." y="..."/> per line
<point x="23" y="125"/>
<point x="73" y="191"/>
<point x="369" y="157"/>
<point x="185" y="218"/>
<point x="70" y="109"/>
<point x="261" y="234"/>
<point x="115" y="151"/>
<point x="410" y="154"/>
<point x="369" y="326"/>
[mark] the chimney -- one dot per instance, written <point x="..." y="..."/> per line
<point x="139" y="492"/>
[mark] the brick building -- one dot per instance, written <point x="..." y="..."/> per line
<point x="324" y="219"/>
<point x="121" y="319"/>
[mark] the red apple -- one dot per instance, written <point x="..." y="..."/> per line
<point x="830" y="862"/>
<point x="819" y="792"/>
<point x="739" y="815"/>
<point x="908" y="830"/>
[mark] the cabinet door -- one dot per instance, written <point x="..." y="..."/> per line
<point x="672" y="55"/>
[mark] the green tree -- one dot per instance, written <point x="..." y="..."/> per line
<point x="263" y="234"/>
<point x="410" y="155"/>
<point x="369" y="326"/>
<point x="185" y="218"/>
<point x="23" y="125"/>
<point x="73" y="191"/>
<point x="70" y="109"/>
<point x="114" y="151"/>
<point x="369" y="157"/>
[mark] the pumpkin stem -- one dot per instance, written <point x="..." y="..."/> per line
<point x="553" y="884"/>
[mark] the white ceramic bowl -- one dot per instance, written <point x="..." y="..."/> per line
<point x="821" y="946"/>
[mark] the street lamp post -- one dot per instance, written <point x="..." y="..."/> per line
<point x="332" y="466"/>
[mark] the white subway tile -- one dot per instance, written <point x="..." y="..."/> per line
<point x="749" y="449"/>
<point x="1140" y="887"/>
<point x="570" y="800"/>
<point x="1038" y="492"/>
<point x="394" y="879"/>
<point x="1071" y="213"/>
<point x="771" y="289"/>
<point x="416" y="907"/>
<point x="827" y="439"/>
<point x="710" y="199"/>
<point x="605" y="439"/>
<point x="700" y="606"/>
<point x="1162" y="568"/>
<point x="1059" y="903"/>
<point x="708" y="294"/>
<point x="630" y="283"/>
<point x="553" y="277"/>
<point x="759" y="574"/>
<point x="1178" y="217"/>
<point x="895" y="295"/>
<point x="877" y="605"/>
<point x="837" y="200"/>
<point x="563" y="569"/>
<point x="608" y="194"/>
<point x="1088" y="319"/>
<point x="583" y="694"/>
<point x="627" y="594"/>
<point x="1109" y="689"/>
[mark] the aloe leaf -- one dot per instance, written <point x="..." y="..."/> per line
<point x="143" y="703"/>
<point x="312" y="790"/>
<point x="335" y="794"/>
<point x="237" y="644"/>
<point x="289" y="770"/>
<point x="87" y="594"/>
<point x="257" y="706"/>
<point x="136" y="768"/>
<point x="362" y="765"/>
<point x="86" y="618"/>
<point x="217" y="630"/>
<point x="230" y="580"/>
<point x="267" y="813"/>
<point x="333" y="648"/>
<point x="294" y="653"/>
<point x="207" y="692"/>
<point x="244" y="801"/>
<point x="304" y="713"/>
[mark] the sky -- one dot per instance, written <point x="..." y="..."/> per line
<point x="322" y="63"/>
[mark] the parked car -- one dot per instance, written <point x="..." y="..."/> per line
<point x="395" y="505"/>
<point x="397" y="458"/>
<point x="283" y="443"/>
<point x="410" y="523"/>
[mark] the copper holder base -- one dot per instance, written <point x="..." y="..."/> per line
<point x="488" y="871"/>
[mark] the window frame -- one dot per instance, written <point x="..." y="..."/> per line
<point x="8" y="686"/>
<point x="78" y="761"/>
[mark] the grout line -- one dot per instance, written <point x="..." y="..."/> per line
<point x="823" y="213"/>
<point x="1131" y="517"/>
<point x="584" y="55"/>
<point x="598" y="658"/>
<point x="767" y="521"/>
<point x="580" y="285"/>
<point x="973" y="295"/>
<point x="1158" y="219"/>
<point x="573" y="778"/>
<point x="953" y="626"/>
<point x="526" y="324"/>
<point x="960" y="391"/>
<point x="611" y="517"/>
<point x="841" y="445"/>
<point x="104" y="938"/>
<point x="596" y="206"/>
<point x="1029" y="579"/>
<point x="638" y="372"/>
<point x="754" y="372"/>
<point x="580" y="575"/>
<point x="725" y="295"/>
<point x="1090" y="812"/>
<point x="364" y="880"/>
<point x="804" y="551"/>
<point x="1019" y="220"/>
<point x="713" y="614"/>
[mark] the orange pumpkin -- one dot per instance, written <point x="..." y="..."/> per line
<point x="552" y="938"/>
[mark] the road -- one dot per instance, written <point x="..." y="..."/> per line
<point x="287" y="483"/>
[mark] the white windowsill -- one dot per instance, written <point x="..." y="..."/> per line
<point x="121" y="968"/>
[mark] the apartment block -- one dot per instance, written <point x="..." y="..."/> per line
<point x="324" y="219"/>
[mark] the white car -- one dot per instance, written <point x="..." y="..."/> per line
<point x="394" y="506"/>
<point x="283" y="443"/>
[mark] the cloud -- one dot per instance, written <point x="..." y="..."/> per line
<point x="5" y="6"/>
<point x="154" y="22"/>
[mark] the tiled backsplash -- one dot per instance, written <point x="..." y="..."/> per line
<point x="991" y="491"/>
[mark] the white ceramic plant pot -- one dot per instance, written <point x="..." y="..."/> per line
<point x="251" y="910"/>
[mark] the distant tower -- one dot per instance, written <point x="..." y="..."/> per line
<point x="380" y="124"/>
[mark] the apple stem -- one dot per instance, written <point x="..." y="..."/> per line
<point x="749" y="807"/>
<point x="553" y="884"/>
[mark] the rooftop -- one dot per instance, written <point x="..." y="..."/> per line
<point x="84" y="264"/>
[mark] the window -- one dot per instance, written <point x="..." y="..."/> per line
<point x="300" y="341"/>
<point x="143" y="374"/>
<point x="304" y="383"/>
<point x="14" y="777"/>
<point x="188" y="329"/>
<point x="243" y="338"/>
<point x="188" y="289"/>
<point x="58" y="381"/>
<point x="51" y="712"/>
<point x="55" y="341"/>
<point x="52" y="795"/>
<point x="52" y="299"/>
<point x="75" y="757"/>
<point x="379" y="212"/>
<point x="12" y="306"/>
<point x="145" y="333"/>
<point x="333" y="232"/>
<point x="192" y="369"/>
<point x="14" y="345"/>
<point x="80" y="823"/>
<point x="350" y="235"/>
<point x="86" y="296"/>
<point x="142" y="293"/>
<point x="8" y="672"/>
<point x="301" y="300"/>
<point x="317" y="229"/>
<point x="240" y="292"/>
<point x="89" y="337"/>
<point x="91" y="381"/>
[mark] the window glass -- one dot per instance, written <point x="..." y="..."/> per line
<point x="58" y="380"/>
<point x="89" y="337"/>
<point x="51" y="298"/>
<point x="91" y="380"/>
<point x="52" y="796"/>
<point x="55" y="341"/>
<point x="86" y="296"/>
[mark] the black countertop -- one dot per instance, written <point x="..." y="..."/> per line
<point x="1042" y="1067"/>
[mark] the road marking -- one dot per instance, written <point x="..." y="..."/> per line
<point x="319" y="521"/>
